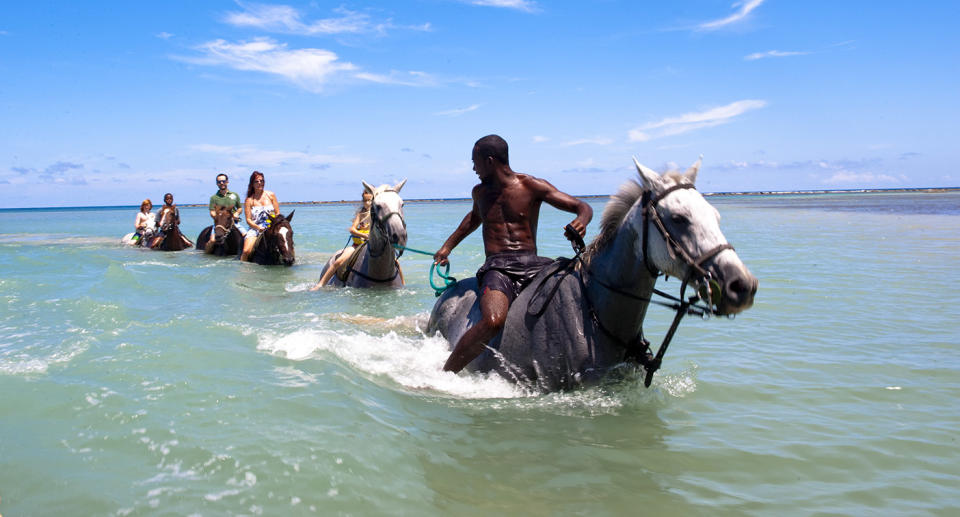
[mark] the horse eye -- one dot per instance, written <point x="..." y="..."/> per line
<point x="679" y="219"/>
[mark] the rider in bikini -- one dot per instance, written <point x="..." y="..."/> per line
<point x="259" y="206"/>
<point x="359" y="231"/>
<point x="507" y="204"/>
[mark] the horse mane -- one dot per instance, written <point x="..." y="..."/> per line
<point x="617" y="209"/>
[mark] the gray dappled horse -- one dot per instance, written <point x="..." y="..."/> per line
<point x="227" y="237"/>
<point x="377" y="263"/>
<point x="567" y="329"/>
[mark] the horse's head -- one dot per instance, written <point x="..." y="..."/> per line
<point x="222" y="224"/>
<point x="279" y="235"/>
<point x="669" y="227"/>
<point x="683" y="239"/>
<point x="386" y="217"/>
<point x="166" y="219"/>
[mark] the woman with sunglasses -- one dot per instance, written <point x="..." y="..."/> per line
<point x="259" y="206"/>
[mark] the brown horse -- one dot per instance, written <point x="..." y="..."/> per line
<point x="226" y="238"/>
<point x="169" y="237"/>
<point x="275" y="245"/>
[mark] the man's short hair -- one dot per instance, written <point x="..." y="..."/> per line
<point x="224" y="176"/>
<point x="492" y="145"/>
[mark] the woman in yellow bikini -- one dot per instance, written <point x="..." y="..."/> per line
<point x="359" y="230"/>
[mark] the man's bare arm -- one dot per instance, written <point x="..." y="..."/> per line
<point x="567" y="203"/>
<point x="470" y="222"/>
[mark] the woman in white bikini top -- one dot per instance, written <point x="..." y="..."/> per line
<point x="259" y="205"/>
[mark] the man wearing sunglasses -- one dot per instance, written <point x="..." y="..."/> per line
<point x="224" y="197"/>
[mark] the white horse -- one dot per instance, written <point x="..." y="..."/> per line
<point x="377" y="263"/>
<point x="577" y="320"/>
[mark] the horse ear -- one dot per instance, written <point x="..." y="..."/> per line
<point x="691" y="173"/>
<point x="649" y="176"/>
<point x="290" y="216"/>
<point x="368" y="187"/>
<point x="400" y="186"/>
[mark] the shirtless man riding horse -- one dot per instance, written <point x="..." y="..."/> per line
<point x="507" y="204"/>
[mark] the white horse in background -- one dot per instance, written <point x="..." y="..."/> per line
<point x="376" y="264"/>
<point x="576" y="321"/>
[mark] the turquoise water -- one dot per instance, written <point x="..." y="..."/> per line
<point x="145" y="383"/>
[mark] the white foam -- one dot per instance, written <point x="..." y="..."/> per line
<point x="20" y="364"/>
<point x="414" y="362"/>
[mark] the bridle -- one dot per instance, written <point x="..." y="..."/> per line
<point x="648" y="204"/>
<point x="639" y="348"/>
<point x="381" y="223"/>
<point x="226" y="231"/>
<point x="273" y="241"/>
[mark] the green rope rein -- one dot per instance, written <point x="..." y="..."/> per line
<point x="448" y="280"/>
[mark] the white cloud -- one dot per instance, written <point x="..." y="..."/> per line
<point x="457" y="112"/>
<point x="691" y="121"/>
<point x="540" y="139"/>
<point x="255" y="156"/>
<point x="309" y="68"/>
<point x="845" y="177"/>
<point x="745" y="8"/>
<point x="411" y="78"/>
<point x="164" y="35"/>
<point x="773" y="53"/>
<point x="286" y="19"/>
<point x="599" y="140"/>
<point x="520" y="5"/>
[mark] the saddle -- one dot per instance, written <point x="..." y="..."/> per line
<point x="344" y="271"/>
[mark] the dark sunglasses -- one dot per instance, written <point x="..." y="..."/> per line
<point x="222" y="181"/>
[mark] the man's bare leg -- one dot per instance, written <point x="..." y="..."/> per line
<point x="494" y="306"/>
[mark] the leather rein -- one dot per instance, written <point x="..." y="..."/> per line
<point x="381" y="224"/>
<point x="638" y="349"/>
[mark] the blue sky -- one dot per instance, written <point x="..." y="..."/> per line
<point x="106" y="103"/>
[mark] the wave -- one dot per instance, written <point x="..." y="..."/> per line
<point x="413" y="362"/>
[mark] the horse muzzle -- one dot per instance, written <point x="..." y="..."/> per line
<point x="737" y="288"/>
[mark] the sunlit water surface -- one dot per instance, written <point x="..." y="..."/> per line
<point x="140" y="383"/>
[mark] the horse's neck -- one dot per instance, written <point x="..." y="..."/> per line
<point x="620" y="266"/>
<point x="384" y="264"/>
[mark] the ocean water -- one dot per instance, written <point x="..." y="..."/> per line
<point x="147" y="383"/>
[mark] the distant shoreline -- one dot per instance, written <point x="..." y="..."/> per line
<point x="922" y="190"/>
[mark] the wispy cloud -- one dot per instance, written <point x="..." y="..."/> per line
<point x="520" y="5"/>
<point x="289" y="20"/>
<point x="691" y="121"/>
<point x="164" y="35"/>
<point x="255" y="156"/>
<point x="309" y="68"/>
<point x="773" y="53"/>
<point x="540" y="139"/>
<point x="312" y="69"/>
<point x="457" y="112"/>
<point x="745" y="8"/>
<point x="411" y="78"/>
<point x="845" y="177"/>
<point x="599" y="140"/>
<point x="54" y="173"/>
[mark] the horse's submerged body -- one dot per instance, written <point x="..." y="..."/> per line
<point x="577" y="320"/>
<point x="374" y="263"/>
<point x="170" y="237"/>
<point x="275" y="245"/>
<point x="227" y="239"/>
<point x="166" y="237"/>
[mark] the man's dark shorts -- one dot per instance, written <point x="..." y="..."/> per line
<point x="510" y="272"/>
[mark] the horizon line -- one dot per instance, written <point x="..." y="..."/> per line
<point x="587" y="196"/>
